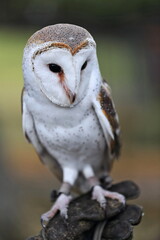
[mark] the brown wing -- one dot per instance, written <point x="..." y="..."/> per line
<point x="109" y="111"/>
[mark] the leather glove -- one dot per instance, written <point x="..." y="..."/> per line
<point x="88" y="221"/>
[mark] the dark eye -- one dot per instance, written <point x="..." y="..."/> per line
<point x="55" y="68"/>
<point x="84" y="65"/>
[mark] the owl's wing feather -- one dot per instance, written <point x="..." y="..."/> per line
<point x="29" y="128"/>
<point x="108" y="118"/>
<point x="32" y="137"/>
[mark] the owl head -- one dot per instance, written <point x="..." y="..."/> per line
<point x="60" y="62"/>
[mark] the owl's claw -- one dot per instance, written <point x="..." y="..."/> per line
<point x="43" y="222"/>
<point x="100" y="195"/>
<point x="61" y="205"/>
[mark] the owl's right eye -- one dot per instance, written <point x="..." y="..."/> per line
<point x="55" y="68"/>
<point x="84" y="65"/>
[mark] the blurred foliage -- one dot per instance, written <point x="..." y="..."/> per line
<point x="31" y="11"/>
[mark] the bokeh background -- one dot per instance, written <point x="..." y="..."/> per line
<point x="128" y="46"/>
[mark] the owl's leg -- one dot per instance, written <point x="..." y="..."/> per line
<point x="64" y="197"/>
<point x="98" y="193"/>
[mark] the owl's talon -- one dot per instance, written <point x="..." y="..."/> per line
<point x="61" y="205"/>
<point x="43" y="222"/>
<point x="117" y="196"/>
<point x="100" y="195"/>
<point x="64" y="213"/>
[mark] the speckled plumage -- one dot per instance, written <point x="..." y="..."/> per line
<point x="68" y="113"/>
<point x="67" y="34"/>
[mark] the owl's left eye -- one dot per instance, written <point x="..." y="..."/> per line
<point x="55" y="68"/>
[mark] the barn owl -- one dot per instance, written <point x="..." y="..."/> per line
<point x="68" y="113"/>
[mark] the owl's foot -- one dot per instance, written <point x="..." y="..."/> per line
<point x="100" y="195"/>
<point x="61" y="205"/>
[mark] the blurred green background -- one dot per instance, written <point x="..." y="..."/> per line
<point x="128" y="46"/>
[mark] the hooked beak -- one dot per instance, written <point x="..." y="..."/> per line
<point x="69" y="93"/>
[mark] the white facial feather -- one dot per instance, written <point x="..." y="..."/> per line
<point x="76" y="79"/>
<point x="50" y="83"/>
